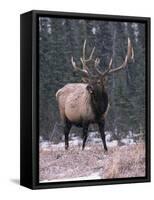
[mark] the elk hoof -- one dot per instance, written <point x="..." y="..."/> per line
<point x="66" y="147"/>
<point x="105" y="149"/>
<point x="82" y="148"/>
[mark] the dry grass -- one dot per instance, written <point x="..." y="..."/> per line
<point x="118" y="162"/>
<point x="126" y="161"/>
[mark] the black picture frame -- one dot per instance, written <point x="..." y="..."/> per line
<point x="29" y="115"/>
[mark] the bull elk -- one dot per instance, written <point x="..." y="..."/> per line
<point x="81" y="104"/>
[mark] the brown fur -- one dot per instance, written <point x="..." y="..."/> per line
<point x="74" y="102"/>
<point x="81" y="104"/>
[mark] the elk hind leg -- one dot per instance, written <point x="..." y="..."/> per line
<point x="67" y="128"/>
<point x="85" y="134"/>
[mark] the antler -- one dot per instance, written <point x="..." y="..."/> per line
<point x="84" y="61"/>
<point x="129" y="56"/>
<point x="85" y="70"/>
<point x="84" y="56"/>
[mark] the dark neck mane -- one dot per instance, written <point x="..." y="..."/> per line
<point x="99" y="105"/>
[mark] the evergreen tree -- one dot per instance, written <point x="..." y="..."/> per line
<point x="60" y="39"/>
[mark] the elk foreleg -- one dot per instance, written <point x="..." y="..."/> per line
<point x="101" y="129"/>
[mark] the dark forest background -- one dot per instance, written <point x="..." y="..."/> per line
<point x="61" y="38"/>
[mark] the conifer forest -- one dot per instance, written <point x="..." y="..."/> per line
<point x="60" y="39"/>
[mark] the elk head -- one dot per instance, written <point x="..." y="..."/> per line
<point x="97" y="79"/>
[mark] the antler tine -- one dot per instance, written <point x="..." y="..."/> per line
<point x="84" y="64"/>
<point x="73" y="63"/>
<point x="110" y="63"/>
<point x="129" y="48"/>
<point x="129" y="55"/>
<point x="132" y="57"/>
<point x="109" y="68"/>
<point x="97" y="61"/>
<point x="84" y="52"/>
<point x="84" y="47"/>
<point x="83" y="58"/>
<point x="83" y="71"/>
<point x="91" y="55"/>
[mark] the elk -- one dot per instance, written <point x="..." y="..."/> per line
<point x="81" y="104"/>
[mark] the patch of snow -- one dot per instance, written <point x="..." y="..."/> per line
<point x="45" y="144"/>
<point x="127" y="141"/>
<point x="96" y="140"/>
<point x="57" y="146"/>
<point x="114" y="143"/>
<point x="92" y="134"/>
<point x="75" y="142"/>
<point x="130" y="134"/>
<point x="87" y="148"/>
<point x="108" y="137"/>
<point x="75" y="138"/>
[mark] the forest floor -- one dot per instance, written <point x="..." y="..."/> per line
<point x="57" y="164"/>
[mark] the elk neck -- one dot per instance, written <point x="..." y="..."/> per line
<point x="99" y="103"/>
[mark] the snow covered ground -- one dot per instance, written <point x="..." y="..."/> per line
<point x="57" y="164"/>
<point x="77" y="141"/>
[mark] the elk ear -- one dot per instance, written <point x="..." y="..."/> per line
<point x="90" y="89"/>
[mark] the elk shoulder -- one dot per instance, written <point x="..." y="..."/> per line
<point x="74" y="102"/>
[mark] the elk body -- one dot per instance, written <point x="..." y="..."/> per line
<point x="82" y="104"/>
